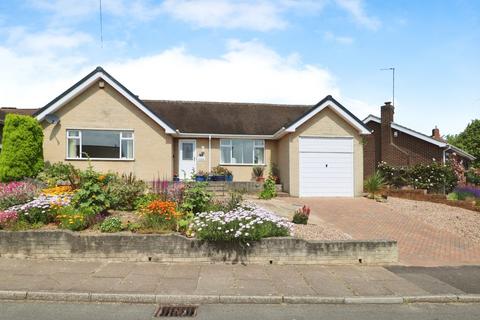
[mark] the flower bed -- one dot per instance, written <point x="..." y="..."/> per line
<point x="17" y="192"/>
<point x="246" y="223"/>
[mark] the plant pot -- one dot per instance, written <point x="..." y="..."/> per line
<point x="176" y="179"/>
<point x="260" y="179"/>
<point x="219" y="178"/>
<point x="200" y="178"/>
<point x="229" y="178"/>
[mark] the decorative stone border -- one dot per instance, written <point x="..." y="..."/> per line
<point x="68" y="245"/>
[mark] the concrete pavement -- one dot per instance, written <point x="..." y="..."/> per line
<point x="101" y="281"/>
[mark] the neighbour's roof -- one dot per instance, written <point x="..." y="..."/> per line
<point x="4" y="111"/>
<point x="440" y="143"/>
<point x="226" y="117"/>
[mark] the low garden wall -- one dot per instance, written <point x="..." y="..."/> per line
<point x="67" y="245"/>
<point x="422" y="195"/>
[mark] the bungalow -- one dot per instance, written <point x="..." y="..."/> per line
<point x="397" y="145"/>
<point x="318" y="149"/>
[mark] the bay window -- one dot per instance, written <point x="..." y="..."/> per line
<point x="242" y="151"/>
<point x="100" y="144"/>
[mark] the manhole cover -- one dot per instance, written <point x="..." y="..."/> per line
<point x="175" y="311"/>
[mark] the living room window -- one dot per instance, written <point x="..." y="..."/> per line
<point x="242" y="151"/>
<point x="100" y="144"/>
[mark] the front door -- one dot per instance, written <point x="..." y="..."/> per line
<point x="187" y="161"/>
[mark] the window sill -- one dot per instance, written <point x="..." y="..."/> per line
<point x="99" y="159"/>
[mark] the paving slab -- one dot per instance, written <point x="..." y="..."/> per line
<point x="137" y="283"/>
<point x="114" y="270"/>
<point x="323" y="282"/>
<point x="176" y="286"/>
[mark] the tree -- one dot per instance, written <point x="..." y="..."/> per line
<point x="468" y="140"/>
<point x="22" y="151"/>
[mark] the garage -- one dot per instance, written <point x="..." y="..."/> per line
<point x="326" y="167"/>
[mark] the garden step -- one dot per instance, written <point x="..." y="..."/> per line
<point x="282" y="194"/>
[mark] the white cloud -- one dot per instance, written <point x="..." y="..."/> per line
<point x="261" y="15"/>
<point x="330" y="36"/>
<point x="247" y="71"/>
<point x="357" y="10"/>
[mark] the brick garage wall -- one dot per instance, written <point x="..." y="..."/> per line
<point x="66" y="245"/>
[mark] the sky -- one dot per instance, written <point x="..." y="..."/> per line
<point x="272" y="51"/>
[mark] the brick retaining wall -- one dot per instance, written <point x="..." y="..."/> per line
<point x="67" y="245"/>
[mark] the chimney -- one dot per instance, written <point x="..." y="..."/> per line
<point x="386" y="113"/>
<point x="436" y="134"/>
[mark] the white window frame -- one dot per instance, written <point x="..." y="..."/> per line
<point x="228" y="143"/>
<point x="120" y="136"/>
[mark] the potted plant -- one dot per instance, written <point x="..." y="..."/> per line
<point x="201" y="176"/>
<point x="220" y="173"/>
<point x="258" y="173"/>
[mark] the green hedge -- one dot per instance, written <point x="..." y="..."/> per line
<point x="434" y="177"/>
<point x="22" y="152"/>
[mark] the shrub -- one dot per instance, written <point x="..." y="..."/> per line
<point x="124" y="190"/>
<point x="14" y="193"/>
<point x="374" y="184"/>
<point x="7" y="218"/>
<point x="249" y="223"/>
<point x="196" y="198"/>
<point x="73" y="218"/>
<point x="111" y="224"/>
<point x="269" y="191"/>
<point x="92" y="194"/>
<point x="473" y="176"/>
<point x="434" y="177"/>
<point x="22" y="153"/>
<point x="159" y="215"/>
<point x="301" y="215"/>
<point x="393" y="176"/>
<point x="57" y="173"/>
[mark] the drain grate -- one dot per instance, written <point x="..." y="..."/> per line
<point x="175" y="311"/>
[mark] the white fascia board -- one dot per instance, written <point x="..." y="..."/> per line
<point x="407" y="131"/>
<point x="461" y="152"/>
<point x="221" y="135"/>
<point x="371" y="118"/>
<point x="336" y="109"/>
<point x="82" y="87"/>
<point x="419" y="135"/>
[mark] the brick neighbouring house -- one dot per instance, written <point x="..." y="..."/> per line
<point x="401" y="146"/>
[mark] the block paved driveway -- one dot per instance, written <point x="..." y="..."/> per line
<point x="419" y="243"/>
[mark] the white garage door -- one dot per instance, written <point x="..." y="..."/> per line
<point x="326" y="167"/>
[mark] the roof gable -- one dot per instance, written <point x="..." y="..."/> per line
<point x="85" y="83"/>
<point x="329" y="102"/>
